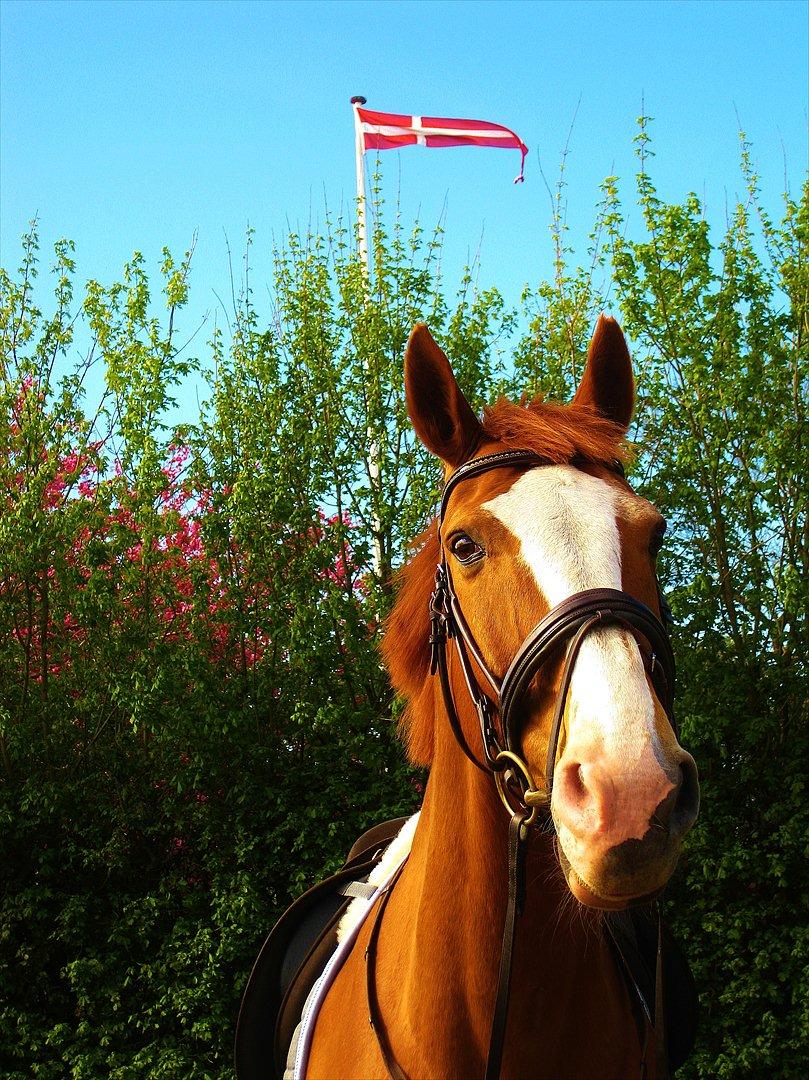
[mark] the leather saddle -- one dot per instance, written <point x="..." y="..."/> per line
<point x="301" y="942"/>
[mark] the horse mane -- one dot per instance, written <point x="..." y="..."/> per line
<point x="562" y="434"/>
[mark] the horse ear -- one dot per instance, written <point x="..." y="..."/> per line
<point x="441" y="415"/>
<point x="607" y="385"/>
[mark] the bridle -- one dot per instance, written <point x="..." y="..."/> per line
<point x="568" y="623"/>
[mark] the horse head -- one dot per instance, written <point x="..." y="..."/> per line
<point x="517" y="541"/>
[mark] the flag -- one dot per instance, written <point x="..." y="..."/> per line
<point x="388" y="131"/>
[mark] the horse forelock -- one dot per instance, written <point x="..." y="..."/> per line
<point x="562" y="434"/>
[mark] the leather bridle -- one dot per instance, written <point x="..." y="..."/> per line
<point x="568" y="623"/>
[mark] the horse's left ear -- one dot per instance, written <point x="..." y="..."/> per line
<point x="607" y="385"/>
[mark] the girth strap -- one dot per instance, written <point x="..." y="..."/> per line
<point x="374" y="1015"/>
<point x="516" y="897"/>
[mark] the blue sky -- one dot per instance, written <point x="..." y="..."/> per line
<point x="132" y="125"/>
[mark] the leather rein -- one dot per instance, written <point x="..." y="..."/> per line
<point x="568" y="623"/>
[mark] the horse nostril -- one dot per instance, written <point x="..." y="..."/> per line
<point x="677" y="812"/>
<point x="569" y="786"/>
<point x="578" y="786"/>
<point x="685" y="808"/>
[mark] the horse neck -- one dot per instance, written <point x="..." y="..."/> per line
<point x="459" y="864"/>
<point x="447" y="919"/>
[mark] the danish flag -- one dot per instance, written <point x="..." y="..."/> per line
<point x="388" y="131"/>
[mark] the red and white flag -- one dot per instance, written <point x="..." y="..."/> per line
<point x="389" y="131"/>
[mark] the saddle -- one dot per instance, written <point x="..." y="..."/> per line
<point x="298" y="947"/>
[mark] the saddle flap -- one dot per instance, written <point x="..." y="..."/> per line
<point x="268" y="982"/>
<point x="293" y="956"/>
<point x="633" y="934"/>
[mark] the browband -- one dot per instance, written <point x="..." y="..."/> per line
<point x="484" y="464"/>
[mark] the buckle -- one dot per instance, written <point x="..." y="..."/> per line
<point x="491" y="746"/>
<point x="509" y="767"/>
<point x="439" y="617"/>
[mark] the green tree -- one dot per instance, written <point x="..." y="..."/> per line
<point x="719" y="337"/>
<point x="194" y="720"/>
<point x="720" y="333"/>
<point x="194" y="723"/>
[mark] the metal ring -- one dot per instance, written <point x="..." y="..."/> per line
<point x="532" y="798"/>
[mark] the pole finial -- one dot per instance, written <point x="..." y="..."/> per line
<point x="358" y="99"/>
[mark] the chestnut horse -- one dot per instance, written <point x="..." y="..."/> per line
<point x="518" y="538"/>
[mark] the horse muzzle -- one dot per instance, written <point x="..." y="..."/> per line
<point x="620" y="837"/>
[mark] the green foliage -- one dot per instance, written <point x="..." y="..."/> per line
<point x="722" y="351"/>
<point x="194" y="723"/>
<point x="720" y="336"/>
<point x="550" y="357"/>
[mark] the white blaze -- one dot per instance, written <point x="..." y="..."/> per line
<point x="566" y="523"/>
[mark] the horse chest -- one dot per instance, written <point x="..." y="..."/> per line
<point x="569" y="1014"/>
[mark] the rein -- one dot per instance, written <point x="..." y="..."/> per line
<point x="528" y="805"/>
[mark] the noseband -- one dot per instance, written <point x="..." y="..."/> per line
<point x="567" y="623"/>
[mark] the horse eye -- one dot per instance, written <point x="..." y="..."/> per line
<point x="465" y="549"/>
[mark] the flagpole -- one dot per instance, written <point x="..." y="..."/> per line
<point x="359" y="151"/>
<point x="362" y="242"/>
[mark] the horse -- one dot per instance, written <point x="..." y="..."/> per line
<point x="527" y="640"/>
